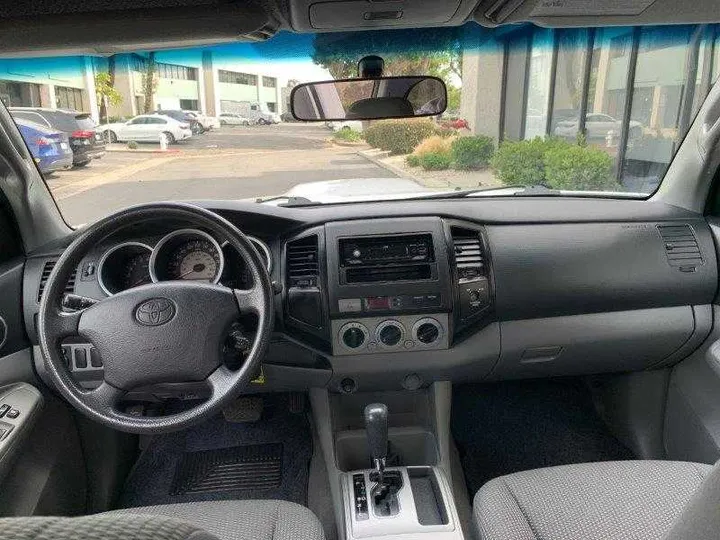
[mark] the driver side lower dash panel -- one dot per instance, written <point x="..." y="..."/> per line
<point x="266" y="459"/>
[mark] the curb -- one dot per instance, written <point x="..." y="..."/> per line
<point x="376" y="156"/>
<point x="139" y="151"/>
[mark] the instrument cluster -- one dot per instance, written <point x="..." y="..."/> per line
<point x="184" y="254"/>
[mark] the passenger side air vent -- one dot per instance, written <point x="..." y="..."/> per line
<point x="303" y="269"/>
<point x="469" y="256"/>
<point x="681" y="246"/>
<point x="47" y="269"/>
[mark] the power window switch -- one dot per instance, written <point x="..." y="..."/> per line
<point x="12" y="414"/>
<point x="4" y="409"/>
<point x="5" y="430"/>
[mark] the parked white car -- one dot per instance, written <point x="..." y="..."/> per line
<point x="597" y="127"/>
<point x="355" y="125"/>
<point x="146" y="127"/>
<point x="232" y="119"/>
<point x="207" y="122"/>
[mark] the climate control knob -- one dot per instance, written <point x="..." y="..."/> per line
<point x="390" y="333"/>
<point x="427" y="331"/>
<point x="353" y="335"/>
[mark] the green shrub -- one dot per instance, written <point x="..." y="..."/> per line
<point x="347" y="135"/>
<point x="132" y="145"/>
<point x="398" y="136"/>
<point x="446" y="132"/>
<point x="412" y="160"/>
<point x="435" y="161"/>
<point x="555" y="163"/>
<point x="472" y="152"/>
<point x="579" y="168"/>
<point x="520" y="162"/>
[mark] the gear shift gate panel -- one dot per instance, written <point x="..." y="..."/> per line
<point x="399" y="511"/>
<point x="384" y="494"/>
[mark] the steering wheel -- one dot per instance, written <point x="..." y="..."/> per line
<point x="171" y="331"/>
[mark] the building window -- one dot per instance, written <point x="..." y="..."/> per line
<point x="17" y="94"/>
<point x="189" y="104"/>
<point x="538" y="91"/>
<point x="69" y="98"/>
<point x="661" y="74"/>
<point x="271" y="106"/>
<point x="269" y="82"/>
<point x="173" y="71"/>
<point x="569" y="80"/>
<point x="234" y="77"/>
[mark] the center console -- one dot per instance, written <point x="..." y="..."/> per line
<point x="388" y="292"/>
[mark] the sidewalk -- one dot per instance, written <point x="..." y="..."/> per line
<point x="448" y="179"/>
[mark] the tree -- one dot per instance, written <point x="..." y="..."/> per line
<point x="106" y="93"/>
<point x="438" y="54"/>
<point x="149" y="82"/>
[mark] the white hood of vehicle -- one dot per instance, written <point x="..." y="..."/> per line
<point x="358" y="189"/>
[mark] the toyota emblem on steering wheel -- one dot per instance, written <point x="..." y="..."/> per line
<point x="155" y="312"/>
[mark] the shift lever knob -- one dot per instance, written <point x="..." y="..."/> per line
<point x="376" y="424"/>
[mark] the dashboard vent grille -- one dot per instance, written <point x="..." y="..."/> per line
<point x="303" y="268"/>
<point x="47" y="269"/>
<point x="681" y="246"/>
<point x="468" y="252"/>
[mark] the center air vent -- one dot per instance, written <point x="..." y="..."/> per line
<point x="468" y="250"/>
<point x="681" y="246"/>
<point x="303" y="269"/>
<point x="47" y="269"/>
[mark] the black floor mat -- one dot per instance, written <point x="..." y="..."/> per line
<point x="267" y="459"/>
<point x="514" y="426"/>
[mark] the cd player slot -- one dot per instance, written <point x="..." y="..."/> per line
<point x="374" y="274"/>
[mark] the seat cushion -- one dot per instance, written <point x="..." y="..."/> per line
<point x="617" y="500"/>
<point x="242" y="520"/>
<point x="100" y="527"/>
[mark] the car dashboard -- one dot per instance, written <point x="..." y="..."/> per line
<point x="400" y="294"/>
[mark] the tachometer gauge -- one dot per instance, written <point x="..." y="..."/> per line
<point x="187" y="254"/>
<point x="123" y="267"/>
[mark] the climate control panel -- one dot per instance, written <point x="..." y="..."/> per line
<point x="401" y="333"/>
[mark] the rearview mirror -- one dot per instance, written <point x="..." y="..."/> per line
<point x="369" y="99"/>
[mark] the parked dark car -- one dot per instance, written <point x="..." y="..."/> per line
<point x="85" y="142"/>
<point x="182" y="116"/>
<point x="49" y="147"/>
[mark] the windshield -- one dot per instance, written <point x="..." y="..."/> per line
<point x="592" y="110"/>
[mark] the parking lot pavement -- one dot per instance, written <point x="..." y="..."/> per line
<point x="231" y="163"/>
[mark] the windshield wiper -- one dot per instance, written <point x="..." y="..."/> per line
<point x="537" y="190"/>
<point x="289" y="201"/>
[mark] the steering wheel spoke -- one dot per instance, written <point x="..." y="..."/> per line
<point x="67" y="323"/>
<point x="249" y="300"/>
<point x="104" y="398"/>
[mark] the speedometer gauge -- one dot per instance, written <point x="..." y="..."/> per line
<point x="197" y="259"/>
<point x="187" y="254"/>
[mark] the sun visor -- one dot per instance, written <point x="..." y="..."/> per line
<point x="582" y="13"/>
<point x="107" y="32"/>
<point x="309" y="15"/>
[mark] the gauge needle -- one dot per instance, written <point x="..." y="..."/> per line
<point x="195" y="269"/>
<point x="139" y="281"/>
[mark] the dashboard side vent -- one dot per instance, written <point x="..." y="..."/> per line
<point x="681" y="246"/>
<point x="303" y="268"/>
<point x="47" y="269"/>
<point x="468" y="252"/>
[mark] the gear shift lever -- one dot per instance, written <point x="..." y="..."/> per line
<point x="376" y="425"/>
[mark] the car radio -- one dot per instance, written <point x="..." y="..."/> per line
<point x="397" y="249"/>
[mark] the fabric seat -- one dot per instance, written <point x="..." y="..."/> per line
<point x="211" y="520"/>
<point x="592" y="501"/>
<point x="241" y="520"/>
